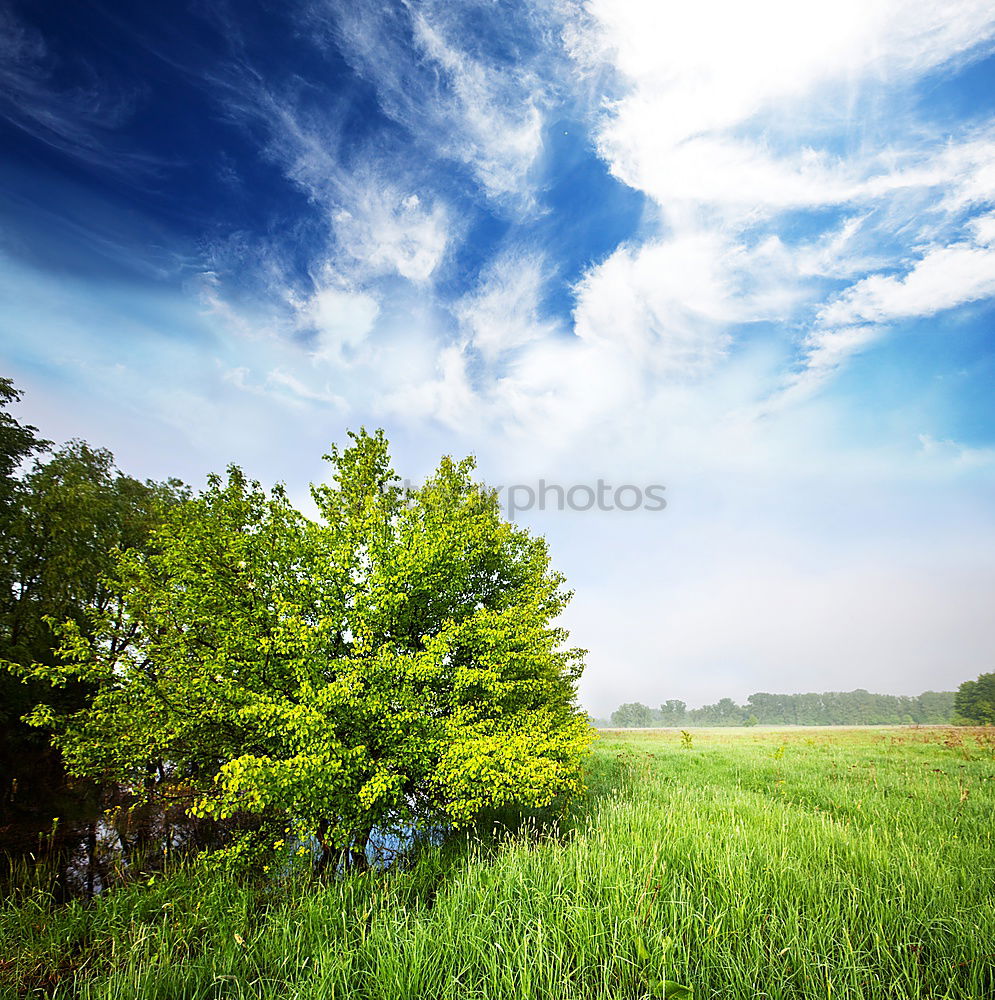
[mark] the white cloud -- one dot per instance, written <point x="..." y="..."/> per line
<point x="955" y="454"/>
<point x="661" y="304"/>
<point x="696" y="68"/>
<point x="729" y="116"/>
<point x="281" y="386"/>
<point x="502" y="314"/>
<point x="300" y="391"/>
<point x="983" y="228"/>
<point x="839" y="252"/>
<point x="669" y="305"/>
<point x="340" y="318"/>
<point x="454" y="98"/>
<point x="942" y="278"/>
<point x="383" y="218"/>
<point x="385" y="231"/>
<point x="446" y="395"/>
<point x="746" y="178"/>
<point x="499" y="125"/>
<point x="826" y="351"/>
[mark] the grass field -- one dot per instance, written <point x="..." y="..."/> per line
<point x="755" y="863"/>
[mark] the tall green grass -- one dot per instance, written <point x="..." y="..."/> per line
<point x="754" y="864"/>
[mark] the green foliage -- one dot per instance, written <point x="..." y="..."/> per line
<point x="62" y="523"/>
<point x="392" y="664"/>
<point x="76" y="513"/>
<point x="975" y="700"/>
<point x="17" y="441"/>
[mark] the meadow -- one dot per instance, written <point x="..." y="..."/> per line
<point x="768" y="863"/>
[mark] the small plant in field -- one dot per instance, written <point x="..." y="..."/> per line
<point x="667" y="989"/>
<point x="985" y="738"/>
<point x="687" y="740"/>
<point x="953" y="740"/>
<point x="965" y="791"/>
<point x="778" y="754"/>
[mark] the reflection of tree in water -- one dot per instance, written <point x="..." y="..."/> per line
<point x="80" y="839"/>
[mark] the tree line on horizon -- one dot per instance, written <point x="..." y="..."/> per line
<point x="828" y="708"/>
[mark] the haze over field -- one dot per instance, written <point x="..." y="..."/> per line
<point x="743" y="252"/>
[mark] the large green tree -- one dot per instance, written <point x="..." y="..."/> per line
<point x="68" y="517"/>
<point x="975" y="700"/>
<point x="394" y="662"/>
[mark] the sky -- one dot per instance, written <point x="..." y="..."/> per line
<point x="740" y="257"/>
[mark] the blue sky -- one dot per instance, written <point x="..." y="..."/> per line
<point x="743" y="251"/>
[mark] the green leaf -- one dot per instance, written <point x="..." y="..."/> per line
<point x="676" y="991"/>
<point x="667" y="989"/>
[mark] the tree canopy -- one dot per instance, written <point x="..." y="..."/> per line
<point x="975" y="700"/>
<point x="63" y="517"/>
<point x="395" y="661"/>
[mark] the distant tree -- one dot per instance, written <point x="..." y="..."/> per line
<point x="673" y="713"/>
<point x="723" y="713"/>
<point x="934" y="708"/>
<point x="633" y="715"/>
<point x="768" y="708"/>
<point x="729" y="712"/>
<point x="832" y="708"/>
<point x="975" y="700"/>
<point x="394" y="663"/>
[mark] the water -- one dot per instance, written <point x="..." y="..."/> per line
<point x="84" y="840"/>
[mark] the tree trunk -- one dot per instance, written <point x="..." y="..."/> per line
<point x="91" y="858"/>
<point x="353" y="857"/>
<point x="358" y="861"/>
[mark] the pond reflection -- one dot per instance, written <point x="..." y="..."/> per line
<point x="83" y="839"/>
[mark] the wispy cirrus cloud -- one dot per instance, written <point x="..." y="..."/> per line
<point x="79" y="120"/>
<point x="941" y="278"/>
<point x="774" y="209"/>
<point x="471" y="83"/>
<point x="380" y="214"/>
<point x="503" y="313"/>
